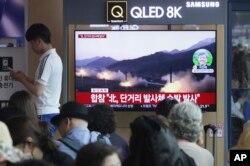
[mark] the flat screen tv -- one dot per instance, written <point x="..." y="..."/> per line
<point x="134" y="70"/>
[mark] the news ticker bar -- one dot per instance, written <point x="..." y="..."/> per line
<point x="143" y="97"/>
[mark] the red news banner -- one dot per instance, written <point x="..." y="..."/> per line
<point x="142" y="97"/>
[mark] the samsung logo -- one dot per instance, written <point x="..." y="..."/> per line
<point x="202" y="4"/>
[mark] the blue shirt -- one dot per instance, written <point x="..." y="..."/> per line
<point x="80" y="135"/>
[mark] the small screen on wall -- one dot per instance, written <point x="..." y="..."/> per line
<point x="12" y="18"/>
<point x="134" y="70"/>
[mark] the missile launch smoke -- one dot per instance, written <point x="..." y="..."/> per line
<point x="110" y="75"/>
<point x="185" y="82"/>
<point x="133" y="81"/>
<point x="84" y="72"/>
<point x="126" y="80"/>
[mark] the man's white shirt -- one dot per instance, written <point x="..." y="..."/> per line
<point x="49" y="74"/>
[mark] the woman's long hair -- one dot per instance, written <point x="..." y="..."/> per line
<point x="24" y="101"/>
<point x="22" y="127"/>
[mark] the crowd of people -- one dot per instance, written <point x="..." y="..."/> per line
<point x="88" y="136"/>
<point x="240" y="67"/>
<point x="240" y="105"/>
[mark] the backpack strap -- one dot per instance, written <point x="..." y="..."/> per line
<point x="70" y="144"/>
<point x="104" y="138"/>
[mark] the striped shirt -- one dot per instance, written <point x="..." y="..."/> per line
<point x="49" y="74"/>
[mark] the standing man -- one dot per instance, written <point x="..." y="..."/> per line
<point x="46" y="86"/>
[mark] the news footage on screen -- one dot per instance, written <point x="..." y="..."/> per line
<point x="134" y="70"/>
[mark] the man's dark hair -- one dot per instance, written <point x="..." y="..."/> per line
<point x="36" y="31"/>
<point x="163" y="107"/>
<point x="102" y="119"/>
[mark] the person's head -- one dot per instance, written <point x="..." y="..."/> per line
<point x="9" y="112"/>
<point x="39" y="36"/>
<point x="152" y="143"/>
<point x="186" y="121"/>
<point x="163" y="107"/>
<point x="97" y="154"/>
<point x="142" y="129"/>
<point x="24" y="101"/>
<point x="202" y="58"/>
<point x="26" y="135"/>
<point x="102" y="119"/>
<point x="72" y="115"/>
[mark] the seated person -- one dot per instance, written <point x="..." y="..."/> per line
<point x="102" y="127"/>
<point x="72" y="124"/>
<point x="186" y="124"/>
<point x="152" y="144"/>
<point x="8" y="153"/>
<point x="29" y="138"/>
<point x="24" y="101"/>
<point x="163" y="109"/>
<point x="97" y="154"/>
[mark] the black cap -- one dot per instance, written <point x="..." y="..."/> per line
<point x="71" y="109"/>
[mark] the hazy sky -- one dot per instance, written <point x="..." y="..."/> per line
<point x="121" y="45"/>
